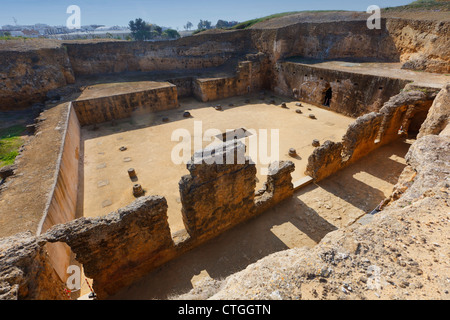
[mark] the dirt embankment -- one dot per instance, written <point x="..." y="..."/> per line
<point x="34" y="176"/>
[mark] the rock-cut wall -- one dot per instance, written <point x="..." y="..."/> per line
<point x="251" y="76"/>
<point x="352" y="94"/>
<point x="190" y="53"/>
<point x="402" y="114"/>
<point x="123" y="105"/>
<point x="62" y="203"/>
<point x="27" y="76"/>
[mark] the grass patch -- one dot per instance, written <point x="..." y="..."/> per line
<point x="198" y="31"/>
<point x="423" y="5"/>
<point x="10" y="142"/>
<point x="249" y="23"/>
<point x="13" y="38"/>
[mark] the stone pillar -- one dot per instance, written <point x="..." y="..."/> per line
<point x="219" y="192"/>
<point x="278" y="186"/>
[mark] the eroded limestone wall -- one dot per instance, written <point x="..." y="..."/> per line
<point x="197" y="52"/>
<point x="219" y="192"/>
<point x="27" y="76"/>
<point x="252" y="76"/>
<point x="370" y="132"/>
<point x="422" y="45"/>
<point x="117" y="248"/>
<point x="328" y="40"/>
<point x="439" y="116"/>
<point x="353" y="94"/>
<point x="120" y="106"/>
<point x="26" y="272"/>
<point x="61" y="206"/>
<point x="278" y="186"/>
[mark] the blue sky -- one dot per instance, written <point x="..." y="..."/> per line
<point x="167" y="13"/>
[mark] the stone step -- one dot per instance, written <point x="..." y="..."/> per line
<point x="302" y="182"/>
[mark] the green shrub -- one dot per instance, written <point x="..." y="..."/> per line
<point x="10" y="142"/>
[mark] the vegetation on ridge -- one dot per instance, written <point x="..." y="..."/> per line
<point x="443" y="5"/>
<point x="10" y="142"/>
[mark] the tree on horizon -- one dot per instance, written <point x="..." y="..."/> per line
<point x="140" y="30"/>
<point x="188" y="26"/>
<point x="204" y="24"/>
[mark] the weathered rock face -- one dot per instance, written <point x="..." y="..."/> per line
<point x="422" y="45"/>
<point x="405" y="111"/>
<point x="429" y="157"/>
<point x="351" y="94"/>
<point x="439" y="114"/>
<point x="219" y="192"/>
<point x="119" y="106"/>
<point x="398" y="255"/>
<point x="278" y="186"/>
<point x="252" y="75"/>
<point x="25" y="271"/>
<point x="117" y="249"/>
<point x="27" y="76"/>
<point x="328" y="40"/>
<point x="402" y="113"/>
<point x="199" y="52"/>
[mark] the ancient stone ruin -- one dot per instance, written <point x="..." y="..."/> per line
<point x="96" y="186"/>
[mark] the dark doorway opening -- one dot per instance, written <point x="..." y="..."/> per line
<point x="328" y="96"/>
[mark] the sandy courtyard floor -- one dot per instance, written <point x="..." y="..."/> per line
<point x="149" y="146"/>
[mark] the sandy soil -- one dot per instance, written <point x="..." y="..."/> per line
<point x="302" y="221"/>
<point x="107" y="186"/>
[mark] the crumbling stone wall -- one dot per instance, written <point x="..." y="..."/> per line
<point x="369" y="132"/>
<point x="26" y="271"/>
<point x="252" y="76"/>
<point x="353" y="94"/>
<point x="102" y="109"/>
<point x="399" y="112"/>
<point x="278" y="186"/>
<point x="220" y="190"/>
<point x="118" y="248"/>
<point x="218" y="196"/>
<point x="27" y="76"/>
<point x="439" y="116"/>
